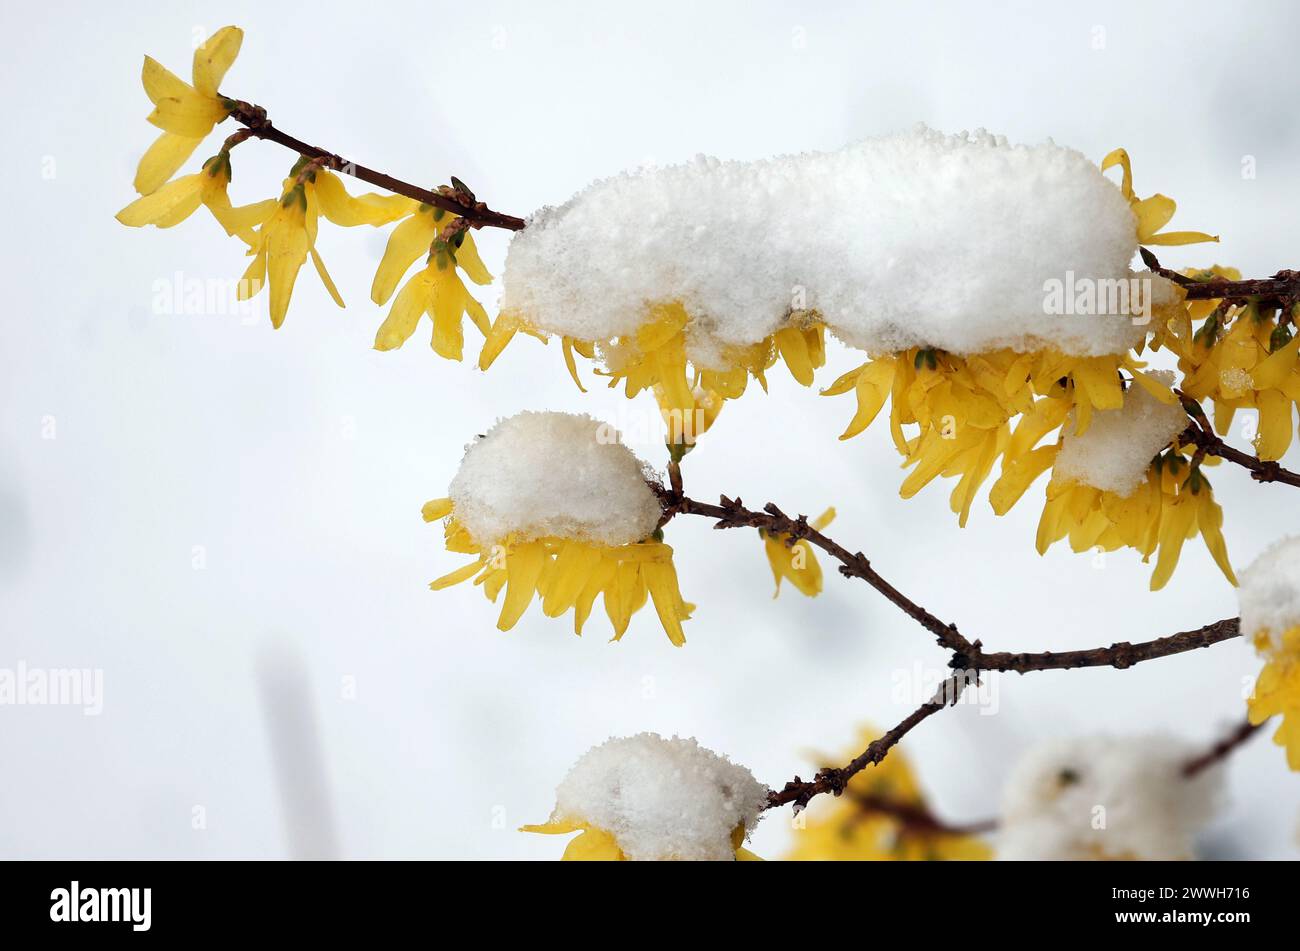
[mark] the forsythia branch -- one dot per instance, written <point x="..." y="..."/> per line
<point x="458" y="201"/>
<point x="967" y="656"/>
<point x="1205" y="440"/>
<point x="834" y="779"/>
<point x="1282" y="288"/>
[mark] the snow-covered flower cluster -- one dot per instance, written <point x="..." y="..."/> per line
<point x="989" y="283"/>
<point x="1106" y="797"/>
<point x="1106" y="491"/>
<point x="647" y="798"/>
<point x="553" y="504"/>
<point x="1270" y="615"/>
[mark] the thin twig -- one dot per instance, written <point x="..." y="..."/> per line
<point x="1120" y="655"/>
<point x="456" y="200"/>
<point x="731" y="513"/>
<point x="968" y="657"/>
<point x="1282" y="288"/>
<point x="966" y="654"/>
<point x="833" y="779"/>
<point x="1220" y="750"/>
<point x="1261" y="470"/>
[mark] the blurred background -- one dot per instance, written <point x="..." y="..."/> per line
<point x="224" y="519"/>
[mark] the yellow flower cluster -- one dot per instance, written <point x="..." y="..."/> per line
<point x="655" y="359"/>
<point x="869" y="822"/>
<point x="568" y="575"/>
<point x="977" y="410"/>
<point x="280" y="233"/>
<point x="1240" y="357"/>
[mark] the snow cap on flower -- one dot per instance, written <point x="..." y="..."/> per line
<point x="661" y="798"/>
<point x="1106" y="797"/>
<point x="1115" y="452"/>
<point x="559" y="475"/>
<point x="1270" y="590"/>
<point x="914" y="239"/>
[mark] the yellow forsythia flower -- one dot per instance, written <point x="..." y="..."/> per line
<point x="1173" y="503"/>
<point x="186" y="113"/>
<point x="286" y="232"/>
<point x="796" y="563"/>
<point x="178" y="199"/>
<point x="1242" y="357"/>
<point x="655" y="357"/>
<point x="568" y="575"/>
<point x="964" y="407"/>
<point x="436" y="289"/>
<point x="1152" y="213"/>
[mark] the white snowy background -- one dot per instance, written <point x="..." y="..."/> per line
<point x="302" y="691"/>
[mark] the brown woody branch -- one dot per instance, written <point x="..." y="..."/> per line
<point x="968" y="657"/>
<point x="731" y="513"/>
<point x="834" y="779"/>
<point x="1204" y="438"/>
<point x="966" y="654"/>
<point x="1120" y="655"/>
<point x="1220" y="750"/>
<point x="1282" y="289"/>
<point x="457" y="200"/>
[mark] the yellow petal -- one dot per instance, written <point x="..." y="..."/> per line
<point x="190" y="115"/>
<point x="404" y="315"/>
<point x="1270" y="372"/>
<point x="161" y="83"/>
<point x="348" y="211"/>
<point x="456" y="577"/>
<point x="1019" y="476"/>
<point x="1274" y="436"/>
<point x="435" y="509"/>
<point x="468" y="260"/>
<point x="593" y="845"/>
<point x="1120" y="157"/>
<point x="286" y="251"/>
<point x="325" y="276"/>
<point x="165" y="204"/>
<point x="1175" y="522"/>
<point x="213" y="58"/>
<point x="524" y="565"/>
<point x="1209" y="517"/>
<point x="448" y="307"/>
<point x="503" y="331"/>
<point x="793" y="348"/>
<point x="409" y="240"/>
<point x="570" y="364"/>
<point x="160" y="162"/>
<point x="661" y="580"/>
